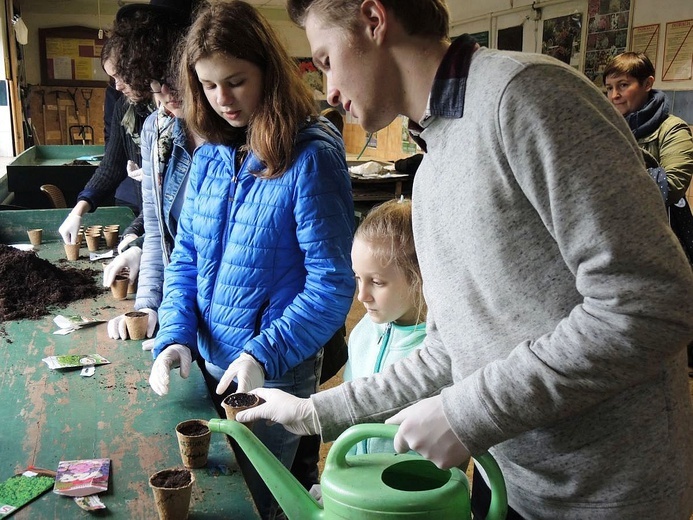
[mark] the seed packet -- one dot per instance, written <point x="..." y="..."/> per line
<point x="18" y="490"/>
<point x="74" y="361"/>
<point x="79" y="478"/>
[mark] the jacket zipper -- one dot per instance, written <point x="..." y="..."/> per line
<point x="258" y="317"/>
<point x="384" y="342"/>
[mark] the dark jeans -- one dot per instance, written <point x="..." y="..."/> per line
<point x="305" y="465"/>
<point x="481" y="499"/>
<point x="301" y="381"/>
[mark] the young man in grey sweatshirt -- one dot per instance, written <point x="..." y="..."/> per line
<point x="560" y="302"/>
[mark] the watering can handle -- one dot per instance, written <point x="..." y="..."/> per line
<point x="498" y="509"/>
<point x="337" y="455"/>
<point x="336" y="458"/>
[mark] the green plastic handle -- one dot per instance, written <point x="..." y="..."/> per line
<point x="336" y="458"/>
<point x="498" y="509"/>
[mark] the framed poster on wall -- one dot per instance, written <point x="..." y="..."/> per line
<point x="71" y="56"/>
<point x="645" y="39"/>
<point x="561" y="39"/>
<point x="678" y="51"/>
<point x="607" y="35"/>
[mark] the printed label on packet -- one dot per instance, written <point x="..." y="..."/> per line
<point x="90" y="502"/>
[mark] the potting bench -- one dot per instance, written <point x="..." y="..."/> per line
<point x="53" y="415"/>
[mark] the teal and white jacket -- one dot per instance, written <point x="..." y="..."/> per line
<point x="372" y="347"/>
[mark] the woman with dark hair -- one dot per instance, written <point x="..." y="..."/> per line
<point x="260" y="276"/>
<point x="110" y="177"/>
<point x="154" y="35"/>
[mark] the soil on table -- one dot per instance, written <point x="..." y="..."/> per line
<point x="194" y="429"/>
<point x="171" y="479"/>
<point x="30" y="286"/>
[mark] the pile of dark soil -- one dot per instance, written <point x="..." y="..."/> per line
<point x="29" y="285"/>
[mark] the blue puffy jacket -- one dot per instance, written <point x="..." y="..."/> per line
<point x="259" y="265"/>
<point x="161" y="207"/>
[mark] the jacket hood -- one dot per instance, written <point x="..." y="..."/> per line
<point x="321" y="130"/>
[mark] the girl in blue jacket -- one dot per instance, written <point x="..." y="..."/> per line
<point x="260" y="275"/>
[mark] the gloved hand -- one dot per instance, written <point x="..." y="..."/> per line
<point x="70" y="228"/>
<point x="172" y="357"/>
<point x="117" y="328"/>
<point x="129" y="259"/>
<point x="247" y="370"/>
<point x="316" y="492"/>
<point x="134" y="171"/>
<point x="425" y="429"/>
<point x="148" y="344"/>
<point x="297" y="415"/>
<point x="125" y="241"/>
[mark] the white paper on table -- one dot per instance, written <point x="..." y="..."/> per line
<point x="68" y="324"/>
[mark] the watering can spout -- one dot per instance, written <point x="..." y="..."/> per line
<point x="292" y="497"/>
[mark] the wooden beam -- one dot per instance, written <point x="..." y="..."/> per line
<point x="13" y="82"/>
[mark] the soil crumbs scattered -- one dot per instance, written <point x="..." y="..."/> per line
<point x="29" y="285"/>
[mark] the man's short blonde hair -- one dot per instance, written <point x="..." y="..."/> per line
<point x="429" y="18"/>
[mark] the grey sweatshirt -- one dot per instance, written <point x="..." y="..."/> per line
<point x="559" y="301"/>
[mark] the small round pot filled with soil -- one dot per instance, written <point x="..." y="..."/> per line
<point x="119" y="287"/>
<point x="136" y="323"/>
<point x="193" y="442"/>
<point x="172" y="490"/>
<point x="238" y="402"/>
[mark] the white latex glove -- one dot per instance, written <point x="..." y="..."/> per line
<point x="425" y="429"/>
<point x="125" y="241"/>
<point x="148" y="344"/>
<point x="134" y="171"/>
<point x="247" y="370"/>
<point x="316" y="492"/>
<point x="117" y="328"/>
<point x="173" y="356"/>
<point x="129" y="259"/>
<point x="296" y="415"/>
<point x="70" y="228"/>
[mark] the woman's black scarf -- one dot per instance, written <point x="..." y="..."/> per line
<point x="647" y="120"/>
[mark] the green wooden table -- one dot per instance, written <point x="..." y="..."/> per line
<point x="51" y="415"/>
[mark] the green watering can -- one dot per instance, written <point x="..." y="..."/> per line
<point x="370" y="487"/>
